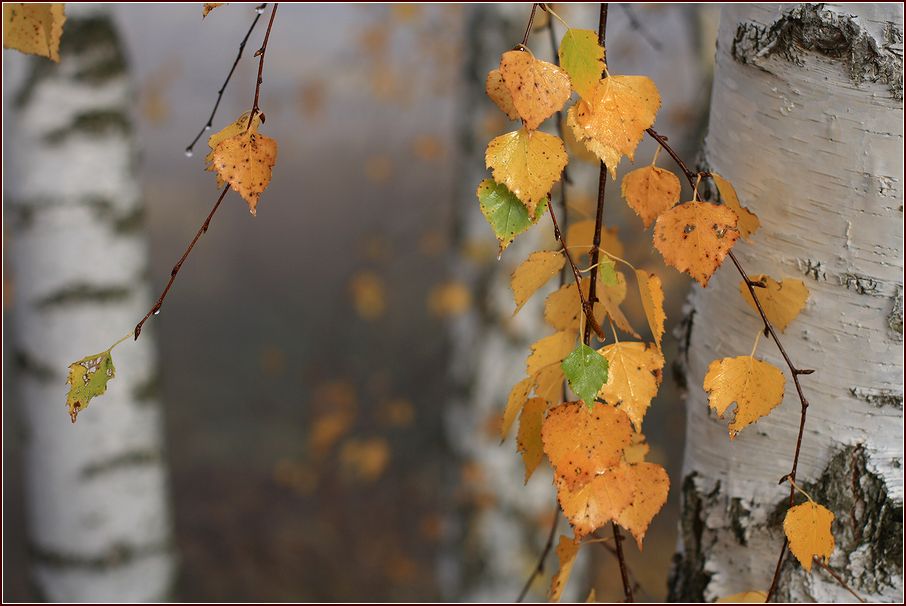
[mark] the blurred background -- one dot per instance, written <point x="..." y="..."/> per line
<point x="332" y="372"/>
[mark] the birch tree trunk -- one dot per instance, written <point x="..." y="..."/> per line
<point x="95" y="492"/>
<point x="807" y="122"/>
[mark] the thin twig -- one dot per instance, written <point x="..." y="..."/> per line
<point x="528" y="27"/>
<point x="260" y="53"/>
<point x="173" y="272"/>
<point x="837" y="578"/>
<point x="539" y="567"/>
<point x="795" y="371"/>
<point x="638" y="26"/>
<point x="604" y="542"/>
<point x="259" y="10"/>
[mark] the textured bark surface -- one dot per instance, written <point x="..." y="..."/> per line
<point x="806" y="121"/>
<point x="95" y="492"/>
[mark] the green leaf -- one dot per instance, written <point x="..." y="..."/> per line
<point x="582" y="58"/>
<point x="586" y="371"/>
<point x="88" y="378"/>
<point x="607" y="271"/>
<point x="505" y="213"/>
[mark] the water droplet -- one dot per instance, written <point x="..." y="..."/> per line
<point x="259" y="10"/>
<point x="156" y="312"/>
<point x="188" y="152"/>
<point x="207" y="127"/>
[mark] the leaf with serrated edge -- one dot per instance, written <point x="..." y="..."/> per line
<point x="516" y="400"/>
<point x="528" y="163"/>
<point x="652" y="295"/>
<point x="695" y="237"/>
<point x="808" y="528"/>
<point x="596" y="502"/>
<point x="34" y="28"/>
<point x="748" y="222"/>
<point x="528" y="438"/>
<point x="505" y="213"/>
<point x="650" y="487"/>
<point x="231" y="130"/>
<point x="582" y="442"/>
<point x="245" y="161"/>
<point x="755" y="386"/>
<point x="649" y="191"/>
<point x="538" y="88"/>
<point x="582" y="58"/>
<point x="549" y="350"/>
<point x="87" y="379"/>
<point x="635" y="372"/>
<point x="533" y="273"/>
<point x="782" y="301"/>
<point x="566" y="554"/>
<point x="498" y="92"/>
<point x="586" y="371"/>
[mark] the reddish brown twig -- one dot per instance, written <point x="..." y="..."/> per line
<point x="259" y="10"/>
<point x="795" y="371"/>
<point x="528" y="26"/>
<point x="260" y="53"/>
<point x="838" y="578"/>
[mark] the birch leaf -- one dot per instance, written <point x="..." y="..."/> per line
<point x="633" y="379"/>
<point x="808" y="528"/>
<point x="695" y="237"/>
<point x="533" y="273"/>
<point x="755" y="386"/>
<point x="208" y="7"/>
<point x="612" y="119"/>
<point x="649" y="191"/>
<point x="580" y="237"/>
<point x="528" y="438"/>
<point x="245" y="161"/>
<point x="34" y="28"/>
<point x="586" y="371"/>
<point x="505" y="213"/>
<point x="514" y="403"/>
<point x="538" y="88"/>
<point x="637" y="450"/>
<point x="87" y="379"/>
<point x="782" y="301"/>
<point x="582" y="442"/>
<point x="498" y="92"/>
<point x="528" y="163"/>
<point x="598" y="501"/>
<point x="746" y="597"/>
<point x="748" y="221"/>
<point x="652" y="295"/>
<point x="649" y="493"/>
<point x="582" y="58"/>
<point x="549" y="351"/>
<point x="229" y="131"/>
<point x="566" y="554"/>
<point x="607" y="271"/>
<point x="610" y="298"/>
<point x="549" y="384"/>
<point x="563" y="308"/>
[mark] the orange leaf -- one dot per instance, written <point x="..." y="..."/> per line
<point x="566" y="553"/>
<point x="518" y="396"/>
<point x="598" y="501"/>
<point x="649" y="191"/>
<point x="695" y="237"/>
<point x="650" y="487"/>
<point x="528" y="438"/>
<point x="582" y="443"/>
<point x="748" y="221"/>
<point x="500" y="94"/>
<point x="634" y="375"/>
<point x="808" y="528"/>
<point x="652" y="302"/>
<point x="755" y="386"/>
<point x="538" y="88"/>
<point x="782" y="301"/>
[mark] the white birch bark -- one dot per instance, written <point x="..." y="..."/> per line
<point x="807" y="122"/>
<point x="498" y="534"/>
<point x="95" y="492"/>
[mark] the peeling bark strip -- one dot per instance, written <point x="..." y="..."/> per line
<point x="813" y="28"/>
<point x="819" y="159"/>
<point x="95" y="493"/>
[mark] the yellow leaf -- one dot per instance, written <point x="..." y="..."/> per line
<point x="577" y="150"/>
<point x="649" y="191"/>
<point x="650" y="487"/>
<point x="612" y="119"/>
<point x="637" y="450"/>
<point x="500" y="94"/>
<point x="229" y="131"/>
<point x="634" y="375"/>
<point x="34" y="28"/>
<point x="580" y="238"/>
<point x="549" y="350"/>
<point x="562" y="308"/>
<point x="549" y="383"/>
<point x="782" y="301"/>
<point x="528" y="163"/>
<point x="610" y="297"/>
<point x="514" y="403"/>
<point x="808" y="528"/>
<point x="652" y="302"/>
<point x="755" y="386"/>
<point x="748" y="221"/>
<point x="582" y="443"/>
<point x="695" y="237"/>
<point x="538" y="88"/>
<point x="746" y="597"/>
<point x="208" y="7"/>
<point x="533" y="273"/>
<point x="597" y="502"/>
<point x="566" y="553"/>
<point x="245" y="162"/>
<point x="528" y="438"/>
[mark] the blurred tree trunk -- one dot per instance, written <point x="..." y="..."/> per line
<point x="806" y="121"/>
<point x="95" y="492"/>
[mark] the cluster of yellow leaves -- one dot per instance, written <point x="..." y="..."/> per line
<point x="34" y="28"/>
<point x="243" y="158"/>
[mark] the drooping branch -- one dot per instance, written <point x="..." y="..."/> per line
<point x="795" y="371"/>
<point x="548" y="545"/>
<point x="261" y="52"/>
<point x="259" y="10"/>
